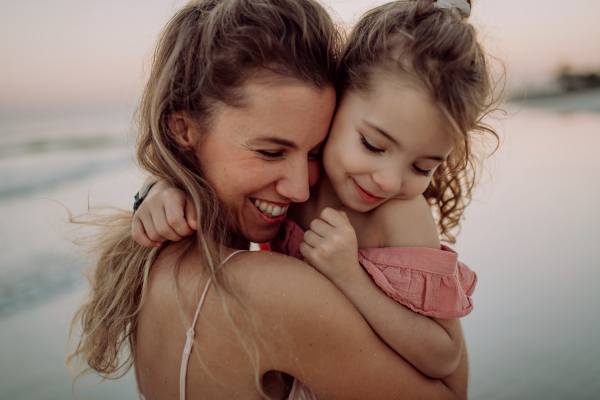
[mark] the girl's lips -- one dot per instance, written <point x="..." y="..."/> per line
<point x="366" y="196"/>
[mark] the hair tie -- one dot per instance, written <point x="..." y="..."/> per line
<point x="462" y="6"/>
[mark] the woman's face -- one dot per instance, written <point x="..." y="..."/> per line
<point x="385" y="144"/>
<point x="263" y="156"/>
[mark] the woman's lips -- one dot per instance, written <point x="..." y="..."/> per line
<point x="366" y="196"/>
<point x="271" y="212"/>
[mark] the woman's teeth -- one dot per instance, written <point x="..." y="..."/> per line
<point x="269" y="210"/>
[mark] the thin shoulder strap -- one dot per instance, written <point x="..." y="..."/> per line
<point x="187" y="350"/>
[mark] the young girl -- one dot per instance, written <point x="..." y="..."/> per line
<point x="413" y="86"/>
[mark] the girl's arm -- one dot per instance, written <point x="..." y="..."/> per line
<point x="431" y="345"/>
<point x="166" y="213"/>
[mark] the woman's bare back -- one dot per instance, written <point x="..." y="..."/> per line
<point x="305" y="328"/>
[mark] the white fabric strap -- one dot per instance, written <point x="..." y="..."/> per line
<point x="462" y="6"/>
<point x="189" y="342"/>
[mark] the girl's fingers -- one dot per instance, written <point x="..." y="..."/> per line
<point x="312" y="239"/>
<point x="333" y="217"/>
<point x="150" y="229"/>
<point x="191" y="216"/>
<point x="306" y="252"/>
<point x="320" y="227"/>
<point x="139" y="234"/>
<point x="163" y="228"/>
<point x="175" y="218"/>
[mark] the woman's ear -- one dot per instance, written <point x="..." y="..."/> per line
<point x="183" y="130"/>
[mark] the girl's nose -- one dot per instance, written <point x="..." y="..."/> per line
<point x="389" y="180"/>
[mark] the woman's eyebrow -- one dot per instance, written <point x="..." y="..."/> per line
<point x="275" y="140"/>
<point x="381" y="131"/>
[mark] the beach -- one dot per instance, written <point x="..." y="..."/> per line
<point x="530" y="234"/>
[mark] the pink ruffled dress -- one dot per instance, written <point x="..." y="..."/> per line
<point x="430" y="282"/>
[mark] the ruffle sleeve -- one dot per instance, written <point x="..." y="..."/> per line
<point x="430" y="282"/>
<point x="288" y="240"/>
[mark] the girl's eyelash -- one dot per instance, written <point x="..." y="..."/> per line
<point x="372" y="149"/>
<point x="424" y="172"/>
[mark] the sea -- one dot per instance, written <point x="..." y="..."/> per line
<point x="530" y="234"/>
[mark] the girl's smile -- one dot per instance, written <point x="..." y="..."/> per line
<point x="366" y="196"/>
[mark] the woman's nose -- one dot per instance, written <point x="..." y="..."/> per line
<point x="294" y="182"/>
<point x="389" y="180"/>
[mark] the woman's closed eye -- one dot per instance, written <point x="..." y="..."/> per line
<point x="270" y="154"/>
<point x="369" y="146"/>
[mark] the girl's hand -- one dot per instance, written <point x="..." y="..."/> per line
<point x="330" y="245"/>
<point x="166" y="214"/>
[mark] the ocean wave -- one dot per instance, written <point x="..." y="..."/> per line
<point x="31" y="173"/>
<point x="37" y="145"/>
<point x="37" y="278"/>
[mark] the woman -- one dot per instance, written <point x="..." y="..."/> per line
<point x="233" y="80"/>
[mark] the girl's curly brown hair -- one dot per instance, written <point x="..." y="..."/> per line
<point x="437" y="49"/>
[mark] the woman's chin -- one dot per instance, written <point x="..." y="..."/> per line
<point x="258" y="227"/>
<point x="263" y="235"/>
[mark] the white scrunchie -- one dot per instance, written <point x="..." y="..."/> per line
<point x="462" y="5"/>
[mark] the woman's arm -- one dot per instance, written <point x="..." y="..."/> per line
<point x="316" y="335"/>
<point x="431" y="345"/>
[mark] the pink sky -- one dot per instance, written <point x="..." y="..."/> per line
<point x="90" y="54"/>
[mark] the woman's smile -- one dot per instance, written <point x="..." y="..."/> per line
<point x="271" y="210"/>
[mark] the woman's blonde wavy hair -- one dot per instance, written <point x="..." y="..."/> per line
<point x="204" y="56"/>
<point x="437" y="49"/>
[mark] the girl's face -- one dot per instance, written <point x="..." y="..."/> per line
<point x="263" y="156"/>
<point x="385" y="144"/>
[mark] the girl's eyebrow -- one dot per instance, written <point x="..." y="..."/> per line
<point x="381" y="131"/>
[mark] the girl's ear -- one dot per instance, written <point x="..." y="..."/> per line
<point x="183" y="130"/>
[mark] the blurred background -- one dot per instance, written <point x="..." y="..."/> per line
<point x="70" y="76"/>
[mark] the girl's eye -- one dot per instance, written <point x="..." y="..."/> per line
<point x="270" y="154"/>
<point x="424" y="172"/>
<point x="370" y="147"/>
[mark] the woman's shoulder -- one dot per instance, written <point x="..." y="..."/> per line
<point x="277" y="281"/>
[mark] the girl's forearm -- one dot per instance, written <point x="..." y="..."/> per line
<point x="433" y="346"/>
